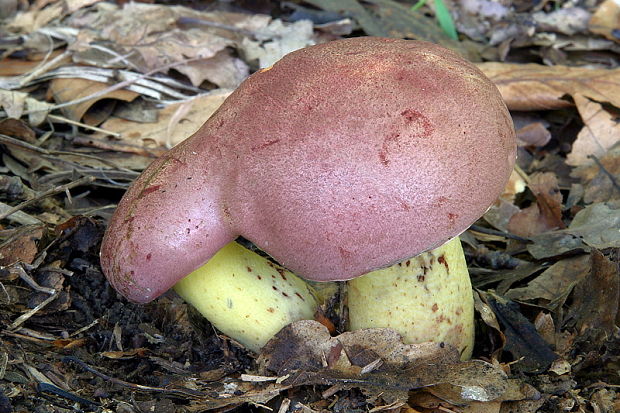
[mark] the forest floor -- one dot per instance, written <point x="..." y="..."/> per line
<point x="91" y="92"/>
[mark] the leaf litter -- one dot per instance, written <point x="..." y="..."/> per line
<point x="91" y="92"/>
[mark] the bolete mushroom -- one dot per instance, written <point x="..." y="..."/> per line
<point x="341" y="159"/>
<point x="246" y="296"/>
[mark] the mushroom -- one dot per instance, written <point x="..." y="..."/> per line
<point x="246" y="296"/>
<point x="425" y="298"/>
<point x="341" y="159"/>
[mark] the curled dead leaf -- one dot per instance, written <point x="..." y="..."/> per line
<point x="601" y="131"/>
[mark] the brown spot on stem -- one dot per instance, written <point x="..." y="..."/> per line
<point x="442" y="260"/>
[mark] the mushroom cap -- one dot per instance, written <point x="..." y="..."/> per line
<point x="340" y="159"/>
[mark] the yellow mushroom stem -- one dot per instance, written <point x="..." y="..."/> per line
<point x="426" y="298"/>
<point x="246" y="296"/>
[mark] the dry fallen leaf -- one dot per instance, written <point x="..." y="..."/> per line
<point x="596" y="299"/>
<point x="534" y="133"/>
<point x="376" y="361"/>
<point x="555" y="283"/>
<point x="568" y="20"/>
<point x="223" y="70"/>
<point x="605" y="19"/>
<point x="594" y="226"/>
<point x="285" y="38"/>
<point x="598" y="179"/>
<point x="169" y="130"/>
<point x="32" y="20"/>
<point x="21" y="246"/>
<point x="522" y="340"/>
<point x="13" y="103"/>
<point x="148" y="34"/>
<point x="543" y="215"/>
<point x="537" y="87"/>
<point x="601" y="131"/>
<point x="503" y="209"/>
<point x="70" y="89"/>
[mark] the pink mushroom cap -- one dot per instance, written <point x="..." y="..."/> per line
<point x="340" y="159"/>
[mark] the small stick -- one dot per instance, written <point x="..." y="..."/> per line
<point x="490" y="231"/>
<point x="62" y="188"/>
<point x="22" y="318"/>
<point x="50" y="388"/>
<point x="139" y="387"/>
<point x="83" y="125"/>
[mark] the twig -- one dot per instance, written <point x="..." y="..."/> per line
<point x="81" y="330"/>
<point x="490" y="231"/>
<point x="44" y="67"/>
<point x="23" y="275"/>
<point x="45" y="152"/>
<point x="20" y="216"/>
<point x="24" y="317"/>
<point x="522" y="174"/>
<point x="4" y="361"/>
<point x="84" y="125"/>
<point x="50" y="388"/>
<point x="62" y="188"/>
<point x="117" y="86"/>
<point x="183" y="392"/>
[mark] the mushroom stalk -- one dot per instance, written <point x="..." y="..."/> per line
<point x="426" y="298"/>
<point x="246" y="296"/>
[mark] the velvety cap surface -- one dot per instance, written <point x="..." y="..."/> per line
<point x="342" y="158"/>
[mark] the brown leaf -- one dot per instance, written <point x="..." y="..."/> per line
<point x="546" y="188"/>
<point x="534" y="133"/>
<point x="223" y="70"/>
<point x="22" y="246"/>
<point x="377" y="361"/>
<point x="530" y="351"/>
<point x="555" y="283"/>
<point x="605" y="19"/>
<point x="69" y="343"/>
<point x="527" y="222"/>
<point x="537" y="87"/>
<point x="170" y="128"/>
<point x="596" y="178"/>
<point x="594" y="226"/>
<point x="66" y="90"/>
<point x="545" y="214"/>
<point x="596" y="299"/>
<point x="601" y="131"/>
<point x="32" y="20"/>
<point x="17" y="128"/>
<point x="154" y="36"/>
<point x="503" y="209"/>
